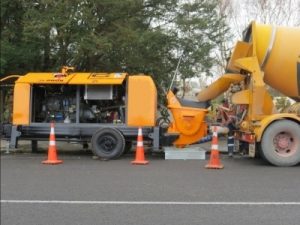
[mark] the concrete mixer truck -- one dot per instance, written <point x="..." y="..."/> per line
<point x="268" y="56"/>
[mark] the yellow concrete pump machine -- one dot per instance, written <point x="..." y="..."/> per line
<point x="102" y="108"/>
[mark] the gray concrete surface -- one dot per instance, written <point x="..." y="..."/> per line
<point x="81" y="178"/>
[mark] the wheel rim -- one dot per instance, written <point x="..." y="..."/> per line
<point x="284" y="144"/>
<point x="107" y="143"/>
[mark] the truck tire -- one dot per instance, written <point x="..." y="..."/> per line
<point x="108" y="143"/>
<point x="280" y="143"/>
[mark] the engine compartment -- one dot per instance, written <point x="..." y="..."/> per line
<point x="78" y="103"/>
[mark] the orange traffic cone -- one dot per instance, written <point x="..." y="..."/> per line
<point x="139" y="153"/>
<point x="214" y="162"/>
<point x="52" y="155"/>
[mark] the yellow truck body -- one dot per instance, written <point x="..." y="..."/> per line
<point x="268" y="55"/>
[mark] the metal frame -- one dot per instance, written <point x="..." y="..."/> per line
<point x="82" y="132"/>
<point x="13" y="143"/>
<point x="78" y="132"/>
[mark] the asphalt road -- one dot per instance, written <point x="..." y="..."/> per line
<point x="86" y="191"/>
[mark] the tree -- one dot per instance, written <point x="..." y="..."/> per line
<point x="109" y="35"/>
<point x="11" y="35"/>
<point x="135" y="36"/>
<point x="200" y="31"/>
<point x="225" y="44"/>
<point x="278" y="12"/>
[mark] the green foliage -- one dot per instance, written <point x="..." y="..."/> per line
<point x="136" y="36"/>
<point x="282" y="103"/>
<point x="198" y="27"/>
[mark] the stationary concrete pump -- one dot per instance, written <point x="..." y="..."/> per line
<point x="104" y="109"/>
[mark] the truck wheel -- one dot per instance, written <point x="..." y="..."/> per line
<point x="108" y="143"/>
<point x="280" y="143"/>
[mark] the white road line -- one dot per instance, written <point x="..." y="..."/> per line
<point x="145" y="202"/>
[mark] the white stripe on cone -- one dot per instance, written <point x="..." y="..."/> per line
<point x="139" y="144"/>
<point x="52" y="130"/>
<point x="52" y="143"/>
<point x="140" y="132"/>
<point x="215" y="147"/>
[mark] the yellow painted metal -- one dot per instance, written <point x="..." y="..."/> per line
<point x="44" y="78"/>
<point x="262" y="103"/>
<point x="280" y="53"/>
<point x="21" y="104"/>
<point x="141" y="101"/>
<point x="262" y="42"/>
<point x="241" y="50"/>
<point x="219" y="86"/>
<point x="264" y="123"/>
<point x="249" y="64"/>
<point x="188" y="122"/>
<point x="241" y="98"/>
<point x="98" y="78"/>
<point x="73" y="78"/>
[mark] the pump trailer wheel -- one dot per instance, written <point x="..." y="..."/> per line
<point x="108" y="143"/>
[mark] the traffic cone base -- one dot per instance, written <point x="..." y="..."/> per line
<point x="138" y="162"/>
<point x="214" y="167"/>
<point x="209" y="166"/>
<point x="52" y="162"/>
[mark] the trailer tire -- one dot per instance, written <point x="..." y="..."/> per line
<point x="280" y="143"/>
<point x="108" y="143"/>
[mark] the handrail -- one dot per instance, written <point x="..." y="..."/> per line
<point x="9" y="77"/>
